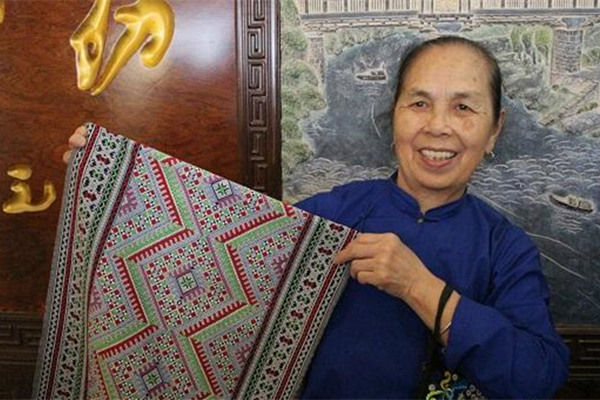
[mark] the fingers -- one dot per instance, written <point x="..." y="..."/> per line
<point x="78" y="138"/>
<point x="76" y="141"/>
<point x="67" y="156"/>
<point x="367" y="277"/>
<point x="81" y="130"/>
<point x="358" y="266"/>
<point x="369" y="238"/>
<point x="368" y="245"/>
<point x="355" y="250"/>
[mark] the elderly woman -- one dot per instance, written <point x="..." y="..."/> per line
<point x="441" y="280"/>
<point x="445" y="263"/>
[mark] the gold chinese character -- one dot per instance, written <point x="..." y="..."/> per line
<point x="2" y="10"/>
<point x="88" y="41"/>
<point x="149" y="25"/>
<point x="20" y="201"/>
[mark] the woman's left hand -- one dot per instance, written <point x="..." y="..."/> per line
<point x="382" y="260"/>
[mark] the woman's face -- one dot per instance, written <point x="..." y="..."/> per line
<point x="443" y="121"/>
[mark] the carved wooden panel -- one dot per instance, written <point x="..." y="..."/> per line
<point x="19" y="338"/>
<point x="258" y="92"/>
<point x="187" y="106"/>
<point x="584" y="343"/>
<point x="584" y="370"/>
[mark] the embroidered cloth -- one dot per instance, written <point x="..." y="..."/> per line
<point x="170" y="282"/>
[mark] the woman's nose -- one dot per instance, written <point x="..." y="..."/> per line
<point x="438" y="122"/>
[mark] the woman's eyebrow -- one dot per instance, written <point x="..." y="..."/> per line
<point x="472" y="95"/>
<point x="469" y="94"/>
<point x="419" y="93"/>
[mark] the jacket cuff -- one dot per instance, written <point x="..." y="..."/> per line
<point x="472" y="325"/>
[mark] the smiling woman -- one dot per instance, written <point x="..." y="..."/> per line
<point x="444" y="121"/>
<point x="452" y="273"/>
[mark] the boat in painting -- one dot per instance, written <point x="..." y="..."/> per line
<point x="572" y="202"/>
<point x="372" y="75"/>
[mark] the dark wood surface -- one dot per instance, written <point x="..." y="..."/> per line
<point x="259" y="110"/>
<point x="187" y="106"/>
<point x="19" y="338"/>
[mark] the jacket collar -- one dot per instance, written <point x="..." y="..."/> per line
<point x="403" y="201"/>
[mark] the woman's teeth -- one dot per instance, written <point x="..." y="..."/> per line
<point x="438" y="155"/>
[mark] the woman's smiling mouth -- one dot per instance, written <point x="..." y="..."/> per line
<point x="437" y="155"/>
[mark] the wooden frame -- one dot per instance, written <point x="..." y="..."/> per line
<point x="259" y="109"/>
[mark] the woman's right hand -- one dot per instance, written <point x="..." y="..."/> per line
<point x="76" y="141"/>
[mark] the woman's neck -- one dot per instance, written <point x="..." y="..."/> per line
<point x="429" y="199"/>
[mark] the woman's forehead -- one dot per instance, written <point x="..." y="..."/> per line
<point x="451" y="57"/>
<point x="455" y="68"/>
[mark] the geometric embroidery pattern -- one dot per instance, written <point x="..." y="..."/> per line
<point x="169" y="282"/>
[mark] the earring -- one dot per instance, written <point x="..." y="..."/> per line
<point x="393" y="145"/>
<point x="490" y="155"/>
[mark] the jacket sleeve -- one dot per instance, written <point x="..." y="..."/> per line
<point x="507" y="345"/>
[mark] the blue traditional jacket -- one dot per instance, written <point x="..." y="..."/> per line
<point x="502" y="342"/>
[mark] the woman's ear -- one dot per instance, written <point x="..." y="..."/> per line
<point x="496" y="132"/>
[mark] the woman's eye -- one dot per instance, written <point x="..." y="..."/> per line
<point x="419" y="104"/>
<point x="463" y="107"/>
